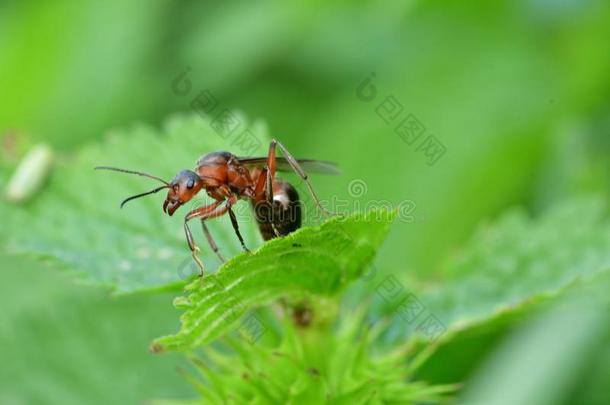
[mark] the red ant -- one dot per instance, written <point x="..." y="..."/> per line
<point x="227" y="178"/>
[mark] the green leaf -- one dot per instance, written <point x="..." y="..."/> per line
<point x="75" y="221"/>
<point x="315" y="260"/>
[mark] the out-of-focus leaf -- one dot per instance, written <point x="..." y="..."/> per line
<point x="66" y="85"/>
<point x="518" y="260"/>
<point x="543" y="362"/>
<point x="315" y="260"/>
<point x="66" y="343"/>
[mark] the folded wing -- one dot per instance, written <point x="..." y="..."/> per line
<point x="282" y="165"/>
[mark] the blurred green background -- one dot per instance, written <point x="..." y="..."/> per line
<point x="517" y="92"/>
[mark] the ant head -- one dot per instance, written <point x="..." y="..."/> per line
<point x="181" y="190"/>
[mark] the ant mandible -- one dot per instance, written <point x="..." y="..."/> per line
<point x="228" y="178"/>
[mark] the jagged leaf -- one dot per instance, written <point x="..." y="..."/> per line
<point x="314" y="260"/>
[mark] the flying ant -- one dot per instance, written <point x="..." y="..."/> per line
<point x="228" y="178"/>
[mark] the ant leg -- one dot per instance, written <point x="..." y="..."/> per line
<point x="208" y="211"/>
<point x="236" y="227"/>
<point x="296" y="167"/>
<point x="193" y="247"/>
<point x="265" y="184"/>
<point x="269" y="197"/>
<point x="211" y="241"/>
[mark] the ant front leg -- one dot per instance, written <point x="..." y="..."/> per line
<point x="206" y="212"/>
<point x="297" y="169"/>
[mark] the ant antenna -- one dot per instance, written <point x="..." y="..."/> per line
<point x="116" y="169"/>
<point x="143" y="194"/>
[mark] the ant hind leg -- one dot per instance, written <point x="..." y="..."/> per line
<point x="297" y="169"/>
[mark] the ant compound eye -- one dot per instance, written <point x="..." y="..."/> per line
<point x="190" y="184"/>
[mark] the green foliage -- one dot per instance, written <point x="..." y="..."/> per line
<point x="314" y="260"/>
<point x="76" y="222"/>
<point x="313" y="366"/>
<point x="517" y="91"/>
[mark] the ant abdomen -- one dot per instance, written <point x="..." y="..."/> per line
<point x="283" y="214"/>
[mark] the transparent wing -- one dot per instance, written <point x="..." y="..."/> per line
<point x="282" y="165"/>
